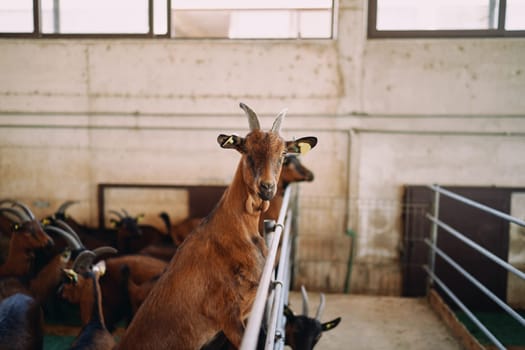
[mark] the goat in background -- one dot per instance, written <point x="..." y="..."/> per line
<point x="211" y="282"/>
<point x="82" y="284"/>
<point x="302" y="331"/>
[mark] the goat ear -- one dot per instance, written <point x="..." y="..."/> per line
<point x="100" y="268"/>
<point x="231" y="141"/>
<point x="330" y="324"/>
<point x="288" y="313"/>
<point x="302" y="145"/>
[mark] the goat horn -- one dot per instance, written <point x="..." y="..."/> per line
<point x="104" y="250"/>
<point x="305" y="301"/>
<point x="64" y="206"/>
<point x="25" y="209"/>
<point x="11" y="201"/>
<point x="70" y="239"/>
<point x="252" y="117"/>
<point x="117" y="214"/>
<point x="276" y="127"/>
<point x="84" y="261"/>
<point x="14" y="212"/>
<point x="320" y="309"/>
<point x="126" y="214"/>
<point x="68" y="228"/>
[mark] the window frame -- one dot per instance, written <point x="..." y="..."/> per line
<point x="500" y="32"/>
<point x="37" y="30"/>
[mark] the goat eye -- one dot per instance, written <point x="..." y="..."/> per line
<point x="251" y="163"/>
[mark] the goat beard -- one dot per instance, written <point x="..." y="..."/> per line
<point x="256" y="206"/>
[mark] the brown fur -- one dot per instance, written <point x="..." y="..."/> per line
<point x="94" y="334"/>
<point x="25" y="238"/>
<point x="293" y="171"/>
<point x="115" y="303"/>
<point x="211" y="282"/>
<point x="181" y="230"/>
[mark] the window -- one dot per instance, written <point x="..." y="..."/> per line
<point x="241" y="19"/>
<point x="446" y="18"/>
<point x="225" y="19"/>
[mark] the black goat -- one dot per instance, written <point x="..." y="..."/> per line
<point x="133" y="237"/>
<point x="90" y="237"/>
<point x="303" y="332"/>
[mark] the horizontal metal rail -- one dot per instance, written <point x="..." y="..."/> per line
<point x="477" y="283"/>
<point x="478" y="205"/>
<point x="253" y="327"/>
<point x="465" y="309"/>
<point x="477" y="247"/>
<point x="434" y="249"/>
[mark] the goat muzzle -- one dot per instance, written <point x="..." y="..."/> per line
<point x="266" y="191"/>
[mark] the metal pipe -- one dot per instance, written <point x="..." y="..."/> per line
<point x="251" y="334"/>
<point x="477" y="247"/>
<point x="478" y="284"/>
<point x="478" y="205"/>
<point x="277" y="307"/>
<point x="466" y="310"/>
<point x="433" y="235"/>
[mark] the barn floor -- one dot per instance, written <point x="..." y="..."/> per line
<point x="370" y="322"/>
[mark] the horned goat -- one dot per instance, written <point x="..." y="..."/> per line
<point x="84" y="282"/>
<point x="90" y="237"/>
<point x="27" y="235"/>
<point x="211" y="282"/>
<point x="302" y="331"/>
<point x="132" y="237"/>
<point x="293" y="171"/>
<point x="116" y="304"/>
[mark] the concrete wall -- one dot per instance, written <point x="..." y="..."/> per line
<point x="75" y="113"/>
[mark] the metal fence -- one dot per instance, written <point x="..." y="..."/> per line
<point x="272" y="293"/>
<point x="436" y="251"/>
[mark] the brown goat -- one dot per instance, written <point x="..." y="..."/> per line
<point x="27" y="235"/>
<point x="137" y="292"/>
<point x="211" y="282"/>
<point x="182" y="229"/>
<point x="83" y="287"/>
<point x="293" y="171"/>
<point x="114" y="286"/>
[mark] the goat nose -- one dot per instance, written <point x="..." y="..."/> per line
<point x="266" y="186"/>
<point x="266" y="190"/>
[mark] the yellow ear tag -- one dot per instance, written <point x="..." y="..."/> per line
<point x="72" y="275"/>
<point x="304" y="147"/>
<point x="229" y="141"/>
<point x="46" y="222"/>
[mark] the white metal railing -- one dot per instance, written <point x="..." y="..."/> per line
<point x="272" y="292"/>
<point x="434" y="250"/>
